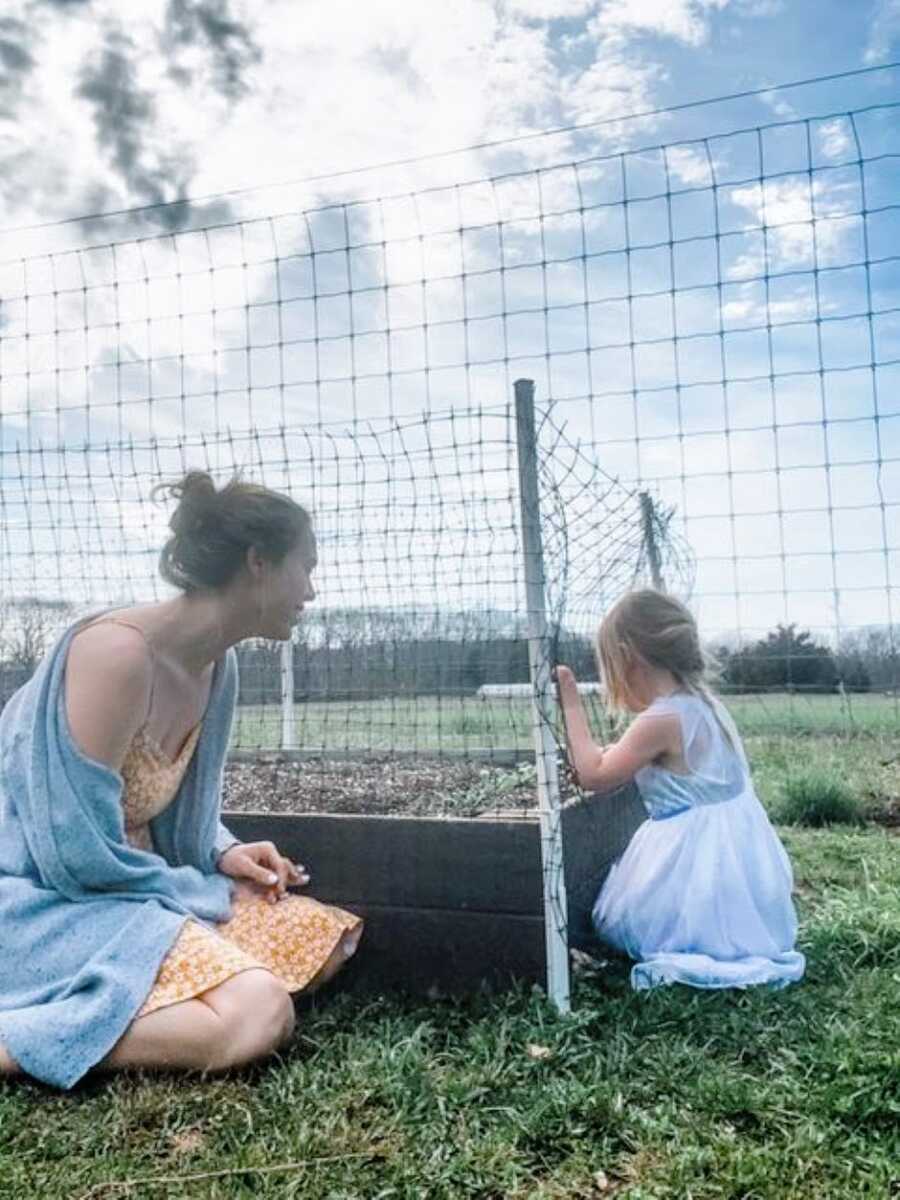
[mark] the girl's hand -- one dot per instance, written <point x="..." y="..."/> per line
<point x="568" y="685"/>
<point x="582" y="752"/>
<point x="261" y="866"/>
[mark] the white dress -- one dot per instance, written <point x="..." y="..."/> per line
<point x="702" y="894"/>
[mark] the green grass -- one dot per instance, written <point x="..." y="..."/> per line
<point x="761" y="1095"/>
<point x="817" y="797"/>
<point x="426" y="723"/>
<point x="821" y="714"/>
<point x="866" y="766"/>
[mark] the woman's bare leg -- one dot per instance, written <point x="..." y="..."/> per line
<point x="244" y="1018"/>
<point x="247" y="1017"/>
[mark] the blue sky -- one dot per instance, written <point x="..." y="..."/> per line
<point x="783" y="481"/>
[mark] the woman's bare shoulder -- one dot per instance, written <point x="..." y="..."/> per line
<point x="109" y="680"/>
<point x="109" y="646"/>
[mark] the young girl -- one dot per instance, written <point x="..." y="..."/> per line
<point x="702" y="894"/>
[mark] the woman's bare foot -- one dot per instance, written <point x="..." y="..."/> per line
<point x="8" y="1065"/>
<point x="339" y="957"/>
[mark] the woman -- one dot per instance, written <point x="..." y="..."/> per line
<point x="137" y="931"/>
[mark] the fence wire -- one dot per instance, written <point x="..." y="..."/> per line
<point x="713" y="328"/>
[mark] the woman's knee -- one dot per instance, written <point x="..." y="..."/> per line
<point x="256" y="1015"/>
<point x="266" y="1010"/>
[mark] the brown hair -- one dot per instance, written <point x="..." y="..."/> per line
<point x="657" y="628"/>
<point x="212" y="529"/>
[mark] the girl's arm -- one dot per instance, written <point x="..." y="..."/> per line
<point x="602" y="769"/>
<point x="585" y="755"/>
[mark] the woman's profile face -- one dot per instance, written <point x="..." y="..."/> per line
<point x="285" y="589"/>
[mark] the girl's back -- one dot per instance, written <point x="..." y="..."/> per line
<point x="702" y="895"/>
<point x="713" y="768"/>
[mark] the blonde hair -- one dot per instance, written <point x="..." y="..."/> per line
<point x="659" y="630"/>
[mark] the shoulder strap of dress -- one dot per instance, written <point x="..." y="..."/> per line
<point x="664" y="706"/>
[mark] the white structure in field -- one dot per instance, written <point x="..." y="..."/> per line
<point x="524" y="691"/>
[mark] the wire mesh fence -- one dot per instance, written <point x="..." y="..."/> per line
<point x="713" y="328"/>
<point x="418" y="647"/>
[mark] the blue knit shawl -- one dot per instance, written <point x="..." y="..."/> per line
<point x="85" y="919"/>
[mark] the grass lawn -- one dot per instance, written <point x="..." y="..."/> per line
<point x="794" y="1094"/>
<point x="459" y="723"/>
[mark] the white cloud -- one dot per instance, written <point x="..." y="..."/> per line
<point x="748" y="311"/>
<point x="806" y="225"/>
<point x="619" y="76"/>
<point x="550" y="10"/>
<point x="321" y="91"/>
<point x="884" y="31"/>
<point x="779" y="106"/>
<point x="684" y="20"/>
<point x="690" y="166"/>
<point x="834" y="138"/>
<point x="328" y="92"/>
<point x="616" y="81"/>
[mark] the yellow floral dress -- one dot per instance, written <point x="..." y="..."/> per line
<point x="293" y="938"/>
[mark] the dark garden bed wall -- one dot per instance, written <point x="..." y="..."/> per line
<point x="449" y="904"/>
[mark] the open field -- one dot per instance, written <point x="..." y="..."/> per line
<point x="765" y="1095"/>
<point x="465" y="723"/>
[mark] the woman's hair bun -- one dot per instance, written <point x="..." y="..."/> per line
<point x="196" y="498"/>
<point x="213" y="528"/>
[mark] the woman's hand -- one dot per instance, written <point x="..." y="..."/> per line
<point x="261" y="870"/>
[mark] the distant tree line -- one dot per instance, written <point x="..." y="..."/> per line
<point x="343" y="653"/>
<point x="347" y="653"/>
<point x="412" y="653"/>
<point x="788" y="659"/>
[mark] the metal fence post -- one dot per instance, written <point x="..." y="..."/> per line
<point x="288" y="724"/>
<point x="543" y="703"/>
<point x="647" y="515"/>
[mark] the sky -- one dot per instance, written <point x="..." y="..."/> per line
<point x="260" y="269"/>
